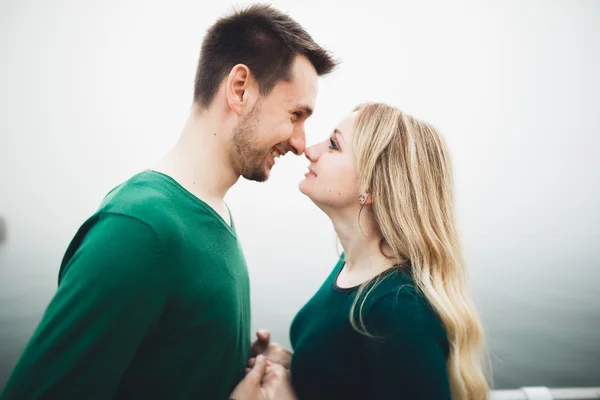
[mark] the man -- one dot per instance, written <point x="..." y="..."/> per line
<point x="153" y="297"/>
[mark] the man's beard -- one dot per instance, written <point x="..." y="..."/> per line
<point x="250" y="160"/>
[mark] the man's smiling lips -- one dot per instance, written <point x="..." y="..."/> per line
<point x="275" y="153"/>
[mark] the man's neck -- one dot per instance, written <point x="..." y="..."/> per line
<point x="200" y="161"/>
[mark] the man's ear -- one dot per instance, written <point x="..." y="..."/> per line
<point x="238" y="86"/>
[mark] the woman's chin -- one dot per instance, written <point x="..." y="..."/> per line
<point x="303" y="186"/>
<point x="306" y="188"/>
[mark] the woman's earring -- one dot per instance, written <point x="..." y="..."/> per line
<point x="361" y="199"/>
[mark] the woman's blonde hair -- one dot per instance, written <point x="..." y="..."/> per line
<point x="404" y="165"/>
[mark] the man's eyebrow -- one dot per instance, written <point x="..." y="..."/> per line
<point x="305" y="109"/>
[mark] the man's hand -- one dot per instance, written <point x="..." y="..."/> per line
<point x="249" y="388"/>
<point x="263" y="337"/>
<point x="273" y="351"/>
<point x="276" y="383"/>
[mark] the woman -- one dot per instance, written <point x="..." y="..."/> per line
<point x="394" y="320"/>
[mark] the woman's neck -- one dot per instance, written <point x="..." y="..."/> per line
<point x="361" y="241"/>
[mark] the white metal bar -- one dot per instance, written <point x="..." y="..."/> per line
<point x="591" y="393"/>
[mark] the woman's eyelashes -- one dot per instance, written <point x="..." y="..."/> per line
<point x="332" y="144"/>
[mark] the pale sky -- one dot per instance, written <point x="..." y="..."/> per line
<point x="92" y="92"/>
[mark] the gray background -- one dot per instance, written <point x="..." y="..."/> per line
<point x="92" y="92"/>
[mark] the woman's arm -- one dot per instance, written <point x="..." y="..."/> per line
<point x="407" y="357"/>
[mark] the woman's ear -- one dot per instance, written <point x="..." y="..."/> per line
<point x="365" y="199"/>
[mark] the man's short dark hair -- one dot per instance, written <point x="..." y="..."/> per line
<point x="262" y="38"/>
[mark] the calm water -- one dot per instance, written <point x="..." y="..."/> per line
<point x="543" y="321"/>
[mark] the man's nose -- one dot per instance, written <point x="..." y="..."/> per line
<point x="298" y="141"/>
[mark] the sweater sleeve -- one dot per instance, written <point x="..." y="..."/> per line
<point x="111" y="293"/>
<point x="407" y="357"/>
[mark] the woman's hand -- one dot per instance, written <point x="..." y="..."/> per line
<point x="250" y="387"/>
<point x="276" y="383"/>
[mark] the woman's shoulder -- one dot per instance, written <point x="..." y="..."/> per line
<point x="395" y="285"/>
<point x="396" y="303"/>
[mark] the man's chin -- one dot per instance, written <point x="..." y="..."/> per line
<point x="258" y="175"/>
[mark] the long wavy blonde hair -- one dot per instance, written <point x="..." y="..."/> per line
<point x="405" y="166"/>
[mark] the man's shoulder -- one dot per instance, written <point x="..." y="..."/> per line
<point x="145" y="197"/>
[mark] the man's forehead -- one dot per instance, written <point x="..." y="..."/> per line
<point x="304" y="80"/>
<point x="300" y="91"/>
<point x="295" y="95"/>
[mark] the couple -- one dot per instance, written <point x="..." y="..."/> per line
<point x="153" y="300"/>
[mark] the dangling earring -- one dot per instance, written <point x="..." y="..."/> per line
<point x="361" y="199"/>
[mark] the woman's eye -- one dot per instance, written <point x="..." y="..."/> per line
<point x="332" y="144"/>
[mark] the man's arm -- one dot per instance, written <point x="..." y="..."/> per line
<point x="112" y="292"/>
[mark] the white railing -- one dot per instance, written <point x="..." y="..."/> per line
<point x="544" y="393"/>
